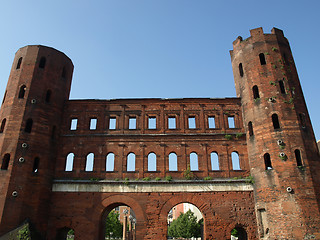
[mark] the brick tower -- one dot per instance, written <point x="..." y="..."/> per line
<point x="283" y="155"/>
<point x="30" y="116"/>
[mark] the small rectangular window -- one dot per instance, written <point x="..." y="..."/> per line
<point x="93" y="124"/>
<point x="191" y="122"/>
<point x="152" y="123"/>
<point x="211" y="122"/>
<point x="132" y="123"/>
<point x="231" y="122"/>
<point x="172" y="123"/>
<point x="74" y="123"/>
<point x="112" y="123"/>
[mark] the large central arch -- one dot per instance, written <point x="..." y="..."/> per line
<point x="113" y="201"/>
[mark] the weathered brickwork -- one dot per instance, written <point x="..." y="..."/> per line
<point x="65" y="164"/>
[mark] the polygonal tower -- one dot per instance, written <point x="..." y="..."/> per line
<point x="30" y="117"/>
<point x="283" y="155"/>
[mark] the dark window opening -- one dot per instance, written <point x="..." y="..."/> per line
<point x="285" y="58"/>
<point x="19" y="63"/>
<point x="22" y="91"/>
<point x="282" y="88"/>
<point x="250" y="128"/>
<point x="4" y="97"/>
<point x="302" y="118"/>
<point x="3" y="124"/>
<point x="275" y="121"/>
<point x="267" y="161"/>
<point x="28" y="127"/>
<point x="53" y="133"/>
<point x="42" y="63"/>
<point x="255" y="91"/>
<point x="262" y="59"/>
<point x="240" y="70"/>
<point x="297" y="153"/>
<point x="36" y="165"/>
<point x="239" y="233"/>
<point x="48" y="96"/>
<point x="64" y="72"/>
<point x="5" y="161"/>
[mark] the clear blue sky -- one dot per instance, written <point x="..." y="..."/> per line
<point x="159" y="48"/>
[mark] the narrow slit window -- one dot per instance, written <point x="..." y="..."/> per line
<point x="192" y="122"/>
<point x="255" y="91"/>
<point x="22" y="91"/>
<point x="53" y="132"/>
<point x="214" y="161"/>
<point x="302" y="118"/>
<point x="28" y="127"/>
<point x="74" y="123"/>
<point x="275" y="121"/>
<point x="297" y="154"/>
<point x="3" y="124"/>
<point x="131" y="162"/>
<point x="36" y="162"/>
<point x="282" y="87"/>
<point x="152" y="123"/>
<point x="48" y="96"/>
<point x="93" y="123"/>
<point x="89" y="162"/>
<point x="262" y="59"/>
<point x="19" y="63"/>
<point x="172" y="123"/>
<point x="132" y="123"/>
<point x="267" y="161"/>
<point x="152" y="162"/>
<point x="211" y="122"/>
<point x="231" y="123"/>
<point x="5" y="162"/>
<point x="240" y="70"/>
<point x="173" y="162"/>
<point x="250" y="129"/>
<point x="112" y="123"/>
<point x="110" y="162"/>
<point x="194" y="165"/>
<point x="4" y="97"/>
<point x="235" y="161"/>
<point x="42" y="63"/>
<point x="69" y="162"/>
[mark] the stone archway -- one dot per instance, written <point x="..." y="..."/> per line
<point x="111" y="202"/>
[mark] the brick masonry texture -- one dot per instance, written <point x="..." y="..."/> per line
<point x="263" y="138"/>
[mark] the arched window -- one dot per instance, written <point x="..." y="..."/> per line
<point x="19" y="63"/>
<point x="42" y="63"/>
<point x="110" y="162"/>
<point x="173" y="162"/>
<point x="235" y="161"/>
<point x="255" y="91"/>
<point x="152" y="162"/>
<point x="28" y="127"/>
<point x="282" y="87"/>
<point x="194" y="161"/>
<point x="131" y="162"/>
<point x="239" y="233"/>
<point x="5" y="161"/>
<point x="48" y="96"/>
<point x="240" y="70"/>
<point x="69" y="162"/>
<point x="250" y="128"/>
<point x="214" y="161"/>
<point x="267" y="161"/>
<point x="22" y="91"/>
<point x="36" y="165"/>
<point x="89" y="162"/>
<point x="3" y="124"/>
<point x="297" y="153"/>
<point x="262" y="59"/>
<point x="275" y="121"/>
